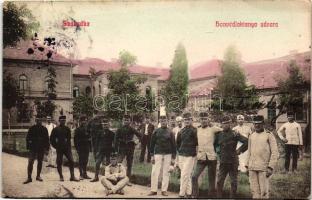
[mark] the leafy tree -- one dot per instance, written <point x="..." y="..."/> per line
<point x="10" y="93"/>
<point x="83" y="105"/>
<point x="51" y="83"/>
<point x="232" y="89"/>
<point x="18" y="23"/>
<point x="291" y="91"/>
<point x="126" y="59"/>
<point x="176" y="89"/>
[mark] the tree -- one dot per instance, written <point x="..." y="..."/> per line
<point x="18" y="23"/>
<point x="83" y="105"/>
<point x="126" y="59"/>
<point x="176" y="89"/>
<point x="231" y="88"/>
<point x="291" y="91"/>
<point x="51" y="83"/>
<point x="10" y="94"/>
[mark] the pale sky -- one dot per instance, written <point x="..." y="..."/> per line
<point x="151" y="30"/>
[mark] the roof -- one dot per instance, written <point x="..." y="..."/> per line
<point x="205" y="89"/>
<point x="206" y="69"/>
<point x="263" y="74"/>
<point x="83" y="66"/>
<point x="19" y="52"/>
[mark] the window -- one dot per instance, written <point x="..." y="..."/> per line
<point x="23" y="83"/>
<point x="76" y="91"/>
<point x="271" y="110"/>
<point x="93" y="91"/>
<point x="100" y="89"/>
<point x="88" y="91"/>
<point x="300" y="111"/>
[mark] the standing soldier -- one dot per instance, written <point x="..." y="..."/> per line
<point x="163" y="151"/>
<point x="206" y="155"/>
<point x="262" y="157"/>
<point x="292" y="139"/>
<point x="102" y="147"/>
<point x="227" y="141"/>
<point x="124" y="143"/>
<point x="82" y="141"/>
<point x="187" y="143"/>
<point x="61" y="140"/>
<point x="37" y="142"/>
<point x="147" y="129"/>
<point x="244" y="131"/>
<point x="52" y="153"/>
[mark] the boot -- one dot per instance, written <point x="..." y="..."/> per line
<point x="86" y="176"/>
<point x="38" y="178"/>
<point x="27" y="181"/>
<point x="96" y="179"/>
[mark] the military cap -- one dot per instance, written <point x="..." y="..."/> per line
<point x="226" y="119"/>
<point x="187" y="115"/>
<point x="240" y="117"/>
<point x="290" y="114"/>
<point x="179" y="118"/>
<point x="83" y="118"/>
<point x="126" y="116"/>
<point x="258" y="119"/>
<point x="114" y="155"/>
<point x="104" y="120"/>
<point x="172" y="117"/>
<point x="49" y="117"/>
<point x="62" y="117"/>
<point x="203" y="114"/>
<point x="163" y="117"/>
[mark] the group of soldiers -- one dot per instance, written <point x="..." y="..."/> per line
<point x="184" y="147"/>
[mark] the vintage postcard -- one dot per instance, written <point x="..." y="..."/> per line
<point x="156" y="99"/>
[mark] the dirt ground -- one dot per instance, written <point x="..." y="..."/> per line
<point x="14" y="173"/>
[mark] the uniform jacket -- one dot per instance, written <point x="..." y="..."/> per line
<point x="293" y="133"/>
<point x="124" y="137"/>
<point x="187" y="141"/>
<point x="163" y="142"/>
<point x="227" y="140"/>
<point x="60" y="138"/>
<point x="37" y="138"/>
<point x="104" y="140"/>
<point x="262" y="151"/>
<point x="150" y="129"/>
<point x="82" y="139"/>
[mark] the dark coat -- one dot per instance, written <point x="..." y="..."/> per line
<point x="82" y="139"/>
<point x="60" y="138"/>
<point x="124" y="138"/>
<point x="37" y="139"/>
<point x="150" y="130"/>
<point x="104" y="139"/>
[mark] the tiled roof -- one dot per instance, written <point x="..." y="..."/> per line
<point x="19" y="52"/>
<point x="206" y="69"/>
<point x="84" y="65"/>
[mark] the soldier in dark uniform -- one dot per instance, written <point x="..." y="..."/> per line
<point x="82" y="141"/>
<point x="60" y="140"/>
<point x="102" y="147"/>
<point x="37" y="142"/>
<point x="227" y="142"/>
<point x="124" y="143"/>
<point x="147" y="129"/>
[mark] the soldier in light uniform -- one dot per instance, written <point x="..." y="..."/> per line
<point x="227" y="141"/>
<point x="102" y="147"/>
<point x="61" y="140"/>
<point x="206" y="156"/>
<point x="115" y="178"/>
<point x="163" y="151"/>
<point x="262" y="157"/>
<point x="187" y="143"/>
<point x="82" y="141"/>
<point x="244" y="131"/>
<point x="37" y="142"/>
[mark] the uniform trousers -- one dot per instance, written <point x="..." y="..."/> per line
<point x="186" y="164"/>
<point x="259" y="184"/>
<point x="114" y="185"/>
<point x="33" y="155"/>
<point x="232" y="170"/>
<point x="161" y="161"/>
<point x="83" y="161"/>
<point x="59" y="161"/>
<point x="294" y="151"/>
<point x="128" y="154"/>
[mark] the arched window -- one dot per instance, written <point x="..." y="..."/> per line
<point x="88" y="91"/>
<point x="76" y="91"/>
<point x="100" y="89"/>
<point x="22" y="82"/>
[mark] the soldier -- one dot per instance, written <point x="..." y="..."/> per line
<point x="37" y="142"/>
<point x="124" y="143"/>
<point x="293" y="140"/>
<point x="102" y="146"/>
<point x="61" y="140"/>
<point x="52" y="153"/>
<point x="262" y="157"/>
<point x="115" y="178"/>
<point x="163" y="151"/>
<point x="147" y="129"/>
<point x="187" y="143"/>
<point x="82" y="141"/>
<point x="206" y="155"/>
<point x="227" y="141"/>
<point x="244" y="131"/>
